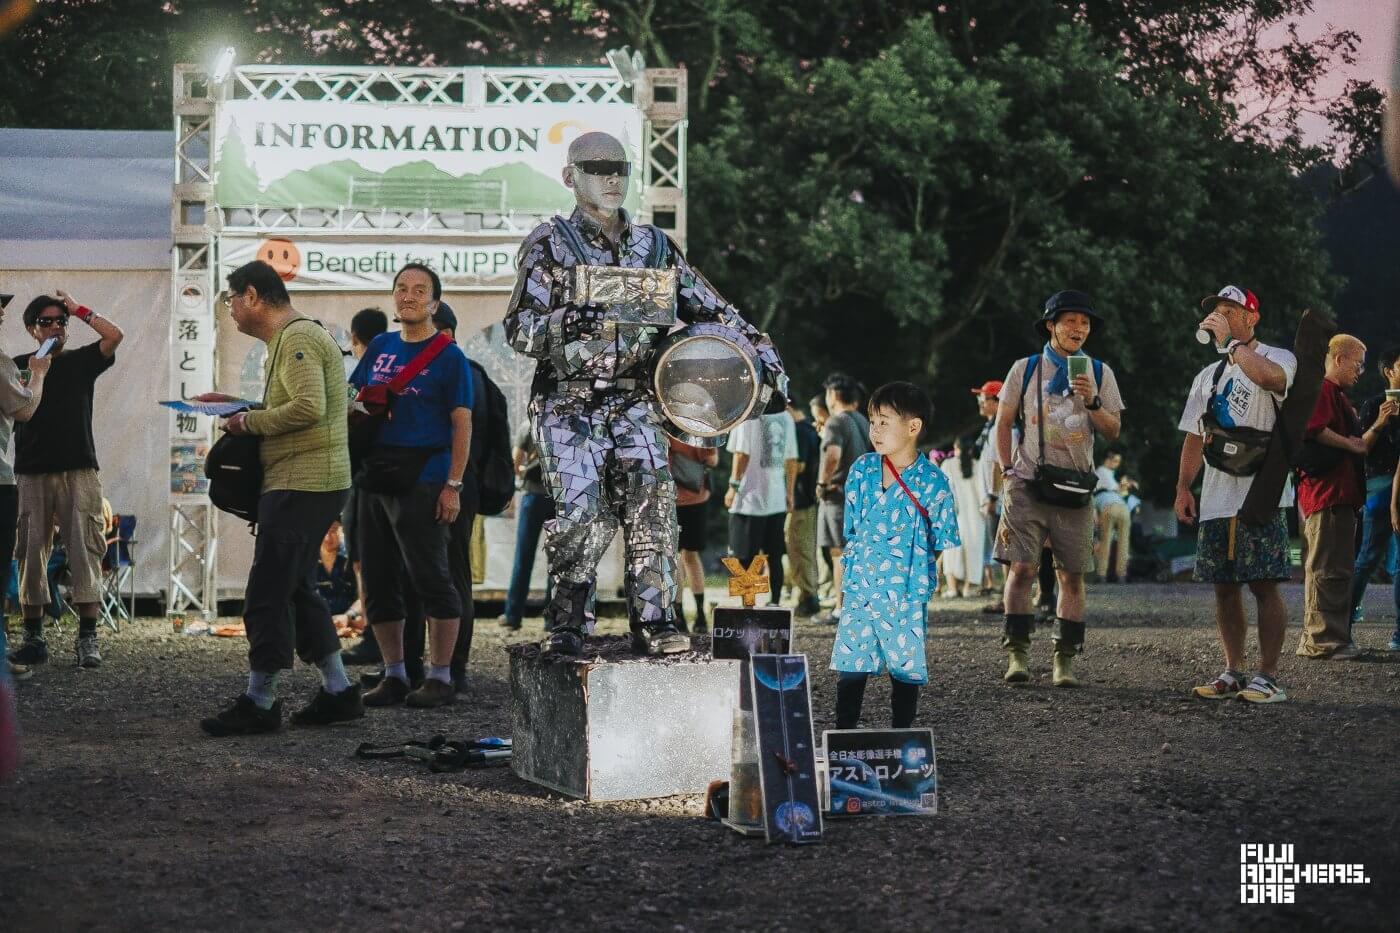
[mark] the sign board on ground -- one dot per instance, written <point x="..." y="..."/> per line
<point x="884" y="772"/>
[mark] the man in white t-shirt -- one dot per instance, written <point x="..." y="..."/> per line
<point x="1243" y="389"/>
<point x="760" y="491"/>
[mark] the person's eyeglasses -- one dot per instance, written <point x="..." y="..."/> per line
<point x="51" y="322"/>
<point x="225" y="300"/>
<point x="604" y="167"/>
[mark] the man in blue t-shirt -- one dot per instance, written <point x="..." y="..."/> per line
<point x="410" y="486"/>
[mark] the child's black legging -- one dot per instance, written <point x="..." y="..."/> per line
<point x="850" y="693"/>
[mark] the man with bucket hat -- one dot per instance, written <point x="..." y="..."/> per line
<point x="1230" y="412"/>
<point x="1056" y="401"/>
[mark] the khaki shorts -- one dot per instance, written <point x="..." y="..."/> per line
<point x="71" y="502"/>
<point x="1028" y="525"/>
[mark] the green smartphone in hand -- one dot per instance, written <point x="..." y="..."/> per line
<point x="1078" y="366"/>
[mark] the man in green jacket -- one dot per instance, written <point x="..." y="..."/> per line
<point x="306" y="480"/>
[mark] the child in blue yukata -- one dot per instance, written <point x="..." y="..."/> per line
<point x="899" y="516"/>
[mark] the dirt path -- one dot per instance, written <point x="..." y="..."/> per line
<point x="1120" y="805"/>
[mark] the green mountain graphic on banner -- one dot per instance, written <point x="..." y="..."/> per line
<point x="514" y="187"/>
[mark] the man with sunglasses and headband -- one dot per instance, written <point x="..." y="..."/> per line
<point x="596" y="419"/>
<point x="56" y="470"/>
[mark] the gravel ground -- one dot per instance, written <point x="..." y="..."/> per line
<point x="1117" y="806"/>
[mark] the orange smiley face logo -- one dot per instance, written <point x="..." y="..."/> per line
<point x="282" y="255"/>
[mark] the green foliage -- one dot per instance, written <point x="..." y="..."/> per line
<point x="891" y="191"/>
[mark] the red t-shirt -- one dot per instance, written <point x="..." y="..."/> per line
<point x="1344" y="484"/>
<point x="706" y="455"/>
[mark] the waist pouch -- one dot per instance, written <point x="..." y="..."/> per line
<point x="1068" y="489"/>
<point x="393" y="471"/>
<point x="1237" y="451"/>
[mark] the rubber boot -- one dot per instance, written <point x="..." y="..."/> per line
<point x="1062" y="666"/>
<point x="1069" y="641"/>
<point x="1016" y="639"/>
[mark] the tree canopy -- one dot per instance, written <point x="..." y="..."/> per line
<point x="891" y="190"/>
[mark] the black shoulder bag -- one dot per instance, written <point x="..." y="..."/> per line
<point x="1058" y="486"/>
<point x="234" y="467"/>
<point x="1238" y="451"/>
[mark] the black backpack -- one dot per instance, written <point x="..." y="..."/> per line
<point x="495" y="471"/>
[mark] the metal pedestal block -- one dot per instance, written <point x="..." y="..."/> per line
<point x="608" y="726"/>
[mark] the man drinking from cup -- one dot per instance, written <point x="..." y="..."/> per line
<point x="1240" y="391"/>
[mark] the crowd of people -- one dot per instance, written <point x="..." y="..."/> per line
<point x="368" y="515"/>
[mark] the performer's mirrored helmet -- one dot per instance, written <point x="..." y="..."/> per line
<point x="708" y="381"/>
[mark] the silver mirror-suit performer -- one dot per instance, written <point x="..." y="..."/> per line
<point x="595" y="414"/>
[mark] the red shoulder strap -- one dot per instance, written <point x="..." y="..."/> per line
<point x="418" y="363"/>
<point x="900" y="480"/>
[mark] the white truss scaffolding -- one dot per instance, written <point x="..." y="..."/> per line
<point x="197" y="221"/>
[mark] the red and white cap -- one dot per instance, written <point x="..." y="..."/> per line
<point x="1240" y="296"/>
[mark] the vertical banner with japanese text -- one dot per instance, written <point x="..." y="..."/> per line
<point x="191" y="373"/>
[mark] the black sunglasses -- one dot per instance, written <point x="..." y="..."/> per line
<point x="5" y="300"/>
<point x="604" y="167"/>
<point x="51" y="321"/>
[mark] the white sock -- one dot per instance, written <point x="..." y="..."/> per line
<point x="262" y="688"/>
<point x="443" y="673"/>
<point x="333" y="676"/>
<point x="398" y="669"/>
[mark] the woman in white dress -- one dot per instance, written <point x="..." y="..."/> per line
<point x="964" y="566"/>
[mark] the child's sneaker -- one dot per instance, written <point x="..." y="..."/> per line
<point x="1225" y="687"/>
<point x="1263" y="689"/>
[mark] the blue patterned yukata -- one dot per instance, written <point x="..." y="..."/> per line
<point x="890" y="568"/>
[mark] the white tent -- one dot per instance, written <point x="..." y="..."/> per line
<point x="89" y="212"/>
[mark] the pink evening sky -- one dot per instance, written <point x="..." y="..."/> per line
<point x="1375" y="22"/>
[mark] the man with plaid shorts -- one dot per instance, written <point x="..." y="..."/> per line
<point x="1243" y="389"/>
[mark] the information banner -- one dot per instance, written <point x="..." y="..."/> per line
<point x="883" y="772"/>
<point x="486" y="160"/>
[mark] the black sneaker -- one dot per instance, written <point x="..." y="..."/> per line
<point x="33" y="651"/>
<point x="701" y="627"/>
<point x="243" y="717"/>
<point x="657" y="640"/>
<point x="565" y="640"/>
<point x="807" y="607"/>
<point x="326" y="708"/>
<point x="366" y="651"/>
<point x="513" y="625"/>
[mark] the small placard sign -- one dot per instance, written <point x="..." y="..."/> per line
<point x="740" y="632"/>
<point x="885" y="772"/>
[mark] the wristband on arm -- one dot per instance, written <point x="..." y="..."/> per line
<point x="83" y="313"/>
